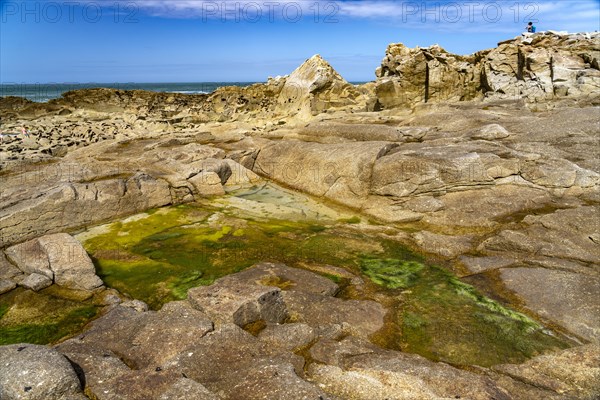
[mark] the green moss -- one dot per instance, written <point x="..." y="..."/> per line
<point x="391" y="273"/>
<point x="45" y="330"/>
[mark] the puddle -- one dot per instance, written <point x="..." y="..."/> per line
<point x="157" y="256"/>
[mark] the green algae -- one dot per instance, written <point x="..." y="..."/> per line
<point x="158" y="256"/>
<point x="391" y="273"/>
<point x="41" y="318"/>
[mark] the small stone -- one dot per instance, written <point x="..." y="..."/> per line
<point x="137" y="305"/>
<point x="36" y="282"/>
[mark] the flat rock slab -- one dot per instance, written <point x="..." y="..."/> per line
<point x="564" y="297"/>
<point x="36" y="372"/>
<point x="360" y="370"/>
<point x="574" y="373"/>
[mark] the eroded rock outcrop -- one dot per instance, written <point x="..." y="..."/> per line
<point x="537" y="68"/>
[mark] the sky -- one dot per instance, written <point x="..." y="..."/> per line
<point x="120" y="41"/>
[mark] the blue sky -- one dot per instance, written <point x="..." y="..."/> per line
<point x="242" y="40"/>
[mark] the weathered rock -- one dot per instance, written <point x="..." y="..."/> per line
<point x="242" y="303"/>
<point x="491" y="132"/>
<point x="7" y="270"/>
<point x="67" y="206"/>
<point x="174" y="328"/>
<point x="70" y="263"/>
<point x="36" y="372"/>
<point x="207" y="184"/>
<point x="58" y="257"/>
<point x="136" y="305"/>
<point x="185" y="389"/>
<point x="340" y="172"/>
<point x="36" y="282"/>
<point x="567" y="298"/>
<point x="30" y="258"/>
<point x="572" y="373"/>
<point x="288" y="336"/>
<point x="363" y="371"/>
<point x="6" y="286"/>
<point x="315" y="87"/>
<point x="545" y="67"/>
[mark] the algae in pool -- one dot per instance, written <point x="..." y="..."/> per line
<point x="40" y="318"/>
<point x="158" y="256"/>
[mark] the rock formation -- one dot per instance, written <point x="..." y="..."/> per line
<point x="488" y="163"/>
<point x="541" y="67"/>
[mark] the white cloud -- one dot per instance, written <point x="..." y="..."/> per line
<point x="443" y="15"/>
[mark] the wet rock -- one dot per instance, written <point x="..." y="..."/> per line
<point x="36" y="372"/>
<point x="36" y="282"/>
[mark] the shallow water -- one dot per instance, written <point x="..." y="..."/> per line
<point x="41" y="318"/>
<point x="159" y="255"/>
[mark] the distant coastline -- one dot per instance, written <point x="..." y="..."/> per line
<point x="43" y="92"/>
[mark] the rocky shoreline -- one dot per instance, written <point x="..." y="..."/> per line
<point x="487" y="164"/>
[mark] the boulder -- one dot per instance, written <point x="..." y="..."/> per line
<point x="207" y="184"/>
<point x="340" y="172"/>
<point x="70" y="263"/>
<point x="31" y="258"/>
<point x="36" y="372"/>
<point x="58" y="257"/>
<point x="230" y="300"/>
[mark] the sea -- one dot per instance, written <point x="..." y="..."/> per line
<point x="43" y="92"/>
